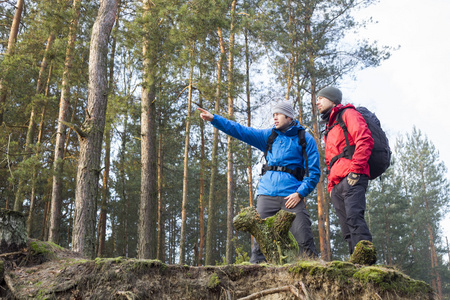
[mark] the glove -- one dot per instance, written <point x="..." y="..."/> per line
<point x="353" y="178"/>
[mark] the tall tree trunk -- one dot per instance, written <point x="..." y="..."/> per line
<point x="55" y="214"/>
<point x="249" y="118"/>
<point x="101" y="230"/>
<point x="201" y="206"/>
<point x="186" y="162"/>
<point x="10" y="50"/>
<point x="321" y="200"/>
<point x="211" y="203"/>
<point x="124" y="214"/>
<point x="161" y="204"/>
<point x="147" y="210"/>
<point x="230" y="166"/>
<point x="249" y="123"/>
<point x="30" y="220"/>
<point x="105" y="188"/>
<point x="91" y="135"/>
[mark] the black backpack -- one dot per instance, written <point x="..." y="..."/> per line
<point x="380" y="158"/>
<point x="298" y="173"/>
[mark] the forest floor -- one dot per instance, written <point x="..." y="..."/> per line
<point x="47" y="271"/>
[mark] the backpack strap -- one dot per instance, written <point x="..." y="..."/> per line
<point x="298" y="173"/>
<point x="341" y="123"/>
<point x="302" y="143"/>
<point x="270" y="140"/>
<point x="348" y="150"/>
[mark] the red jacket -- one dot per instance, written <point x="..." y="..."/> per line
<point x="358" y="135"/>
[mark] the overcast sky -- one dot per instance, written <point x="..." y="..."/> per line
<point x="413" y="86"/>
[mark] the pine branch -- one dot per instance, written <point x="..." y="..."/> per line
<point x="81" y="133"/>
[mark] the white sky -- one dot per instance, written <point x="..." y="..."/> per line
<point x="413" y="86"/>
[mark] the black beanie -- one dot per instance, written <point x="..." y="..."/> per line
<point x="331" y="93"/>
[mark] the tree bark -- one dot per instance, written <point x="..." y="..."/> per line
<point x="160" y="251"/>
<point x="249" y="119"/>
<point x="101" y="236"/>
<point x="230" y="165"/>
<point x="10" y="50"/>
<point x="321" y="200"/>
<point x="105" y="188"/>
<point x="201" y="206"/>
<point x="211" y="203"/>
<point x="147" y="222"/>
<point x="13" y="235"/>
<point x="58" y="162"/>
<point x="124" y="213"/>
<point x="83" y="235"/>
<point x="186" y="162"/>
<point x="249" y="124"/>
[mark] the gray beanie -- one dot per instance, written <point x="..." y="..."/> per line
<point x="331" y="93"/>
<point x="285" y="108"/>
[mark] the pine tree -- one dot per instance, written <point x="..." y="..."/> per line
<point x="427" y="189"/>
<point x="387" y="218"/>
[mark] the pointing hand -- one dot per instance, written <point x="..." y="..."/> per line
<point x="205" y="115"/>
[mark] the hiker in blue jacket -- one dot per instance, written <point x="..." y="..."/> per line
<point x="284" y="184"/>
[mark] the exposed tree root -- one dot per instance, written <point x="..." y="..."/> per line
<point x="288" y="288"/>
<point x="12" y="253"/>
<point x="128" y="295"/>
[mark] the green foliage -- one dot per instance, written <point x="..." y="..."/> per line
<point x="213" y="282"/>
<point x="241" y="255"/>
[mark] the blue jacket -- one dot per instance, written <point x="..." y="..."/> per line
<point x="285" y="152"/>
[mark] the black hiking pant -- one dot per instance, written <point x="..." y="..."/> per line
<point x="350" y="205"/>
<point x="268" y="206"/>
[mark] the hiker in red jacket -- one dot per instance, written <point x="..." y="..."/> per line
<point x="347" y="177"/>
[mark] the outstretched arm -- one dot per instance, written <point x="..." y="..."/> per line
<point x="254" y="137"/>
<point x="205" y="115"/>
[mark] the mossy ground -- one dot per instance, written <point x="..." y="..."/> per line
<point x="69" y="276"/>
<point x="347" y="275"/>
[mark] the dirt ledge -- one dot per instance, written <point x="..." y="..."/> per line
<point x="47" y="271"/>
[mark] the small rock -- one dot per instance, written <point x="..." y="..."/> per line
<point x="364" y="254"/>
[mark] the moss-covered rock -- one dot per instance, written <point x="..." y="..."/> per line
<point x="364" y="254"/>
